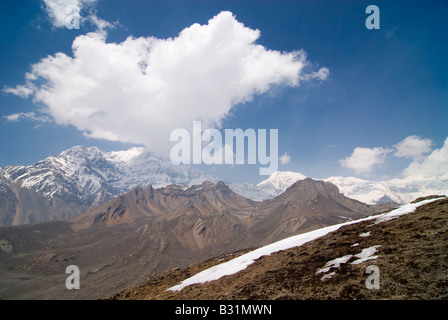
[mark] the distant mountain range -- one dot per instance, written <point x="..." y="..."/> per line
<point x="148" y="230"/>
<point x="304" y="205"/>
<point x="371" y="192"/>
<point x="64" y="186"/>
<point x="122" y="216"/>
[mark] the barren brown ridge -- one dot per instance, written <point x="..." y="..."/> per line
<point x="412" y="262"/>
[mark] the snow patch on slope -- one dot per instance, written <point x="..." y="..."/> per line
<point x="240" y="263"/>
<point x="366" y="254"/>
<point x="335" y="263"/>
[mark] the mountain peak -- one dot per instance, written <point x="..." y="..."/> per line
<point x="401" y="190"/>
<point x="279" y="178"/>
<point x="170" y="201"/>
<point x="310" y="189"/>
<point x="127" y="155"/>
<point x="81" y="151"/>
<point x="90" y="176"/>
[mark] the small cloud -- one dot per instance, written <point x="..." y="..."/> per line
<point x="57" y="12"/>
<point x="15" y="117"/>
<point x="100" y="23"/>
<point x="285" y="158"/>
<point x="21" y="91"/>
<point x="322" y="74"/>
<point x="390" y="33"/>
<point x="363" y="160"/>
<point x="57" y="9"/>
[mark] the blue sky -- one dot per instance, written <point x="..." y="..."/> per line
<point x="384" y="86"/>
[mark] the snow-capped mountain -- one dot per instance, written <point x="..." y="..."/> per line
<point x="279" y="181"/>
<point x="371" y="192"/>
<point x="251" y="191"/>
<point x="65" y="185"/>
<point x="400" y="191"/>
<point x="273" y="186"/>
<point x="367" y="191"/>
<point x="3" y="181"/>
<point x="92" y="176"/>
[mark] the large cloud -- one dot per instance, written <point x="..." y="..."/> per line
<point x="141" y="89"/>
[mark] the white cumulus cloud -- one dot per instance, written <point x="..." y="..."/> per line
<point x="434" y="164"/>
<point x="141" y="89"/>
<point x="21" y="91"/>
<point x="28" y="116"/>
<point x="57" y="9"/>
<point x="363" y="160"/>
<point x="413" y="147"/>
<point x="60" y="10"/>
<point x="425" y="161"/>
<point x="285" y="158"/>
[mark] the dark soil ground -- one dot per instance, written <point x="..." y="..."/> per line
<point x="412" y="262"/>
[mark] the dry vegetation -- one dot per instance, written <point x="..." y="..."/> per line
<point x="412" y="259"/>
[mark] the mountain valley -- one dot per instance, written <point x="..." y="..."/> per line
<point x="122" y="217"/>
<point x="408" y="252"/>
<point x="152" y="230"/>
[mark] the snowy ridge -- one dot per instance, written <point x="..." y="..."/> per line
<point x="273" y="186"/>
<point x="88" y="175"/>
<point x="250" y="191"/>
<point x="3" y="181"/>
<point x="397" y="190"/>
<point x="280" y="180"/>
<point x="92" y="176"/>
<point x="371" y="192"/>
<point x="240" y="263"/>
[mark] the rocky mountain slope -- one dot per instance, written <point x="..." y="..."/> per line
<point x="170" y="202"/>
<point x="8" y="201"/>
<point x="390" y="256"/>
<point x="153" y="230"/>
<point x="307" y="205"/>
<point x="66" y="185"/>
<point x="20" y="205"/>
